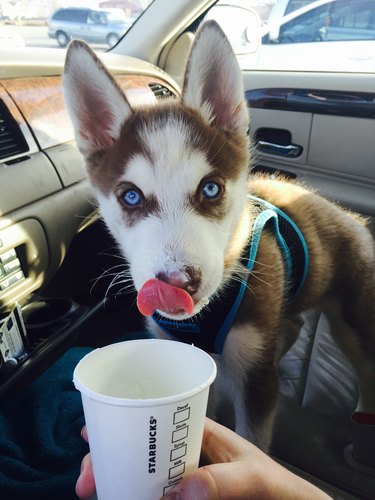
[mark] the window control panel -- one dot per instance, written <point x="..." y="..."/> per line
<point x="10" y="269"/>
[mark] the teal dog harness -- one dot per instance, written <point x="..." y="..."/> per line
<point x="209" y="328"/>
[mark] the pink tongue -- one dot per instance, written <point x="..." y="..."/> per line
<point x="156" y="294"/>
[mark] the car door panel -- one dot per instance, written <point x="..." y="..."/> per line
<point x="333" y="138"/>
<point x="338" y="151"/>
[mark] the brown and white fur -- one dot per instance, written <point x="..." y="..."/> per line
<point x="166" y="154"/>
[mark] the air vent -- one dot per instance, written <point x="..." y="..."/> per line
<point x="160" y="91"/>
<point x="12" y="141"/>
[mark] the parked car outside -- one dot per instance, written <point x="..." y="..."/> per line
<point x="95" y="26"/>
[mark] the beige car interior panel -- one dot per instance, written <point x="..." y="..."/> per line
<point x="27" y="181"/>
<point x="68" y="163"/>
<point x="340" y="147"/>
<point x="174" y="57"/>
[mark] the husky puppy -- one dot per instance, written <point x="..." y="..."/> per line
<point x="172" y="182"/>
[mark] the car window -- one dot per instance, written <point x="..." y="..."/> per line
<point x="78" y="15"/>
<point x="296" y="4"/>
<point x="308" y="27"/>
<point x="96" y="18"/>
<point x="332" y="21"/>
<point x="299" y="35"/>
<point x="52" y="24"/>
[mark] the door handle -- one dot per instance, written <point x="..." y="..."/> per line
<point x="271" y="148"/>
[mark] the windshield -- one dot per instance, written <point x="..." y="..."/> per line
<point x="53" y="23"/>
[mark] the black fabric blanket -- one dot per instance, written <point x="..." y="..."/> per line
<point x="40" y="443"/>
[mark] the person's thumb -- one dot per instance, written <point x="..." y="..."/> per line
<point x="229" y="480"/>
<point x="199" y="485"/>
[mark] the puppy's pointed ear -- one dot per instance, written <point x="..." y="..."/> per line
<point x="96" y="104"/>
<point x="213" y="80"/>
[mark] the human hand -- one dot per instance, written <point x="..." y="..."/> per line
<point x="239" y="470"/>
<point x="236" y="470"/>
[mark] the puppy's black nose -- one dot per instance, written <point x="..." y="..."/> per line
<point x="188" y="279"/>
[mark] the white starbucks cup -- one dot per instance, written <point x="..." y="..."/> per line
<point x="144" y="403"/>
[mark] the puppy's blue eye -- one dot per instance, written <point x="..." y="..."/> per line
<point x="131" y="198"/>
<point x="211" y="190"/>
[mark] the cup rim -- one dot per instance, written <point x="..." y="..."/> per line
<point x="142" y="403"/>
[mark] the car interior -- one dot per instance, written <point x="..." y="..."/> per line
<point x="58" y="263"/>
